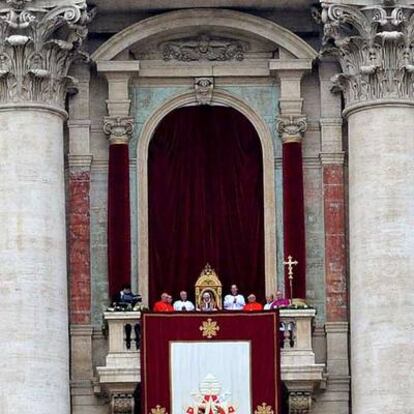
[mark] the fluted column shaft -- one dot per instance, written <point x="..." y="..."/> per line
<point x="34" y="357"/>
<point x="377" y="81"/>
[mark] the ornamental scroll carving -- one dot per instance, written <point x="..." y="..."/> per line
<point x="291" y="129"/>
<point x="119" y="129"/>
<point x="38" y="43"/>
<point x="375" y="47"/>
<point x="204" y="47"/>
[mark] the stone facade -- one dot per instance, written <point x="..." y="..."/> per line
<point x="73" y="75"/>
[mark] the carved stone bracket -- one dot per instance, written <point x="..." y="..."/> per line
<point x="204" y="90"/>
<point x="204" y="47"/>
<point x="37" y="46"/>
<point x="122" y="404"/>
<point x="300" y="402"/>
<point x="119" y="129"/>
<point x="291" y="129"/>
<point x="375" y="47"/>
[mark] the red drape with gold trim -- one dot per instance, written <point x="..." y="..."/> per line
<point x="205" y="201"/>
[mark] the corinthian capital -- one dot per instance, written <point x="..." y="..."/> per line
<point x="119" y="129"/>
<point x="374" y="45"/>
<point x="38" y="42"/>
<point x="291" y="129"/>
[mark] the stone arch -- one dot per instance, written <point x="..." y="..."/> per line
<point x="184" y="19"/>
<point x="220" y="97"/>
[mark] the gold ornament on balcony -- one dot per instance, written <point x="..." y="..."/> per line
<point x="209" y="328"/>
<point x="158" y="410"/>
<point x="264" y="409"/>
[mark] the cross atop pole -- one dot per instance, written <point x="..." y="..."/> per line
<point x="290" y="263"/>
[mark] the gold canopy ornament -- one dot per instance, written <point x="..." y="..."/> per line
<point x="158" y="410"/>
<point x="208" y="281"/>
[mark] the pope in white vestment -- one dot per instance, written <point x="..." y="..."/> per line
<point x="234" y="301"/>
<point x="183" y="305"/>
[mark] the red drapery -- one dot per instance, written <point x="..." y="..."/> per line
<point x="119" y="229"/>
<point x="294" y="217"/>
<point x="160" y="330"/>
<point x="205" y="201"/>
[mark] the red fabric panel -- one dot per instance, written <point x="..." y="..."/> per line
<point x="261" y="328"/>
<point x="79" y="247"/>
<point x="205" y="201"/>
<point x="119" y="230"/>
<point x="294" y="217"/>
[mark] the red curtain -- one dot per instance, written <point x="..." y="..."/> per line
<point x="205" y="201"/>
<point x="294" y="217"/>
<point x="119" y="228"/>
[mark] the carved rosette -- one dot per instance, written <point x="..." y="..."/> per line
<point x="300" y="402"/>
<point x="291" y="129"/>
<point x="375" y="47"/>
<point x="119" y="129"/>
<point x="122" y="404"/>
<point x="38" y="43"/>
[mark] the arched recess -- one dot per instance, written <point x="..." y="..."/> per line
<point x="190" y="18"/>
<point x="220" y="97"/>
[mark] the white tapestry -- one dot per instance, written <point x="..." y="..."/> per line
<point x="210" y="376"/>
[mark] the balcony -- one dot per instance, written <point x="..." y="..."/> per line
<point x="300" y="373"/>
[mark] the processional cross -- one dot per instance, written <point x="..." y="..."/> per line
<point x="290" y="263"/>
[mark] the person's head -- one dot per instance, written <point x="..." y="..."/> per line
<point x="169" y="299"/>
<point x="234" y="290"/>
<point x="164" y="297"/>
<point x="251" y="298"/>
<point x="126" y="288"/>
<point x="269" y="298"/>
<point x="183" y="295"/>
<point x="279" y="294"/>
<point x="206" y="297"/>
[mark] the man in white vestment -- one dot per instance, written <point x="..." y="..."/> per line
<point x="234" y="301"/>
<point x="183" y="305"/>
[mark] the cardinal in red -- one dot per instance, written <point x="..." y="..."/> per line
<point x="164" y="304"/>
<point x="251" y="304"/>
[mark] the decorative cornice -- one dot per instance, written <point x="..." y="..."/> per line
<point x="204" y="90"/>
<point x="38" y="43"/>
<point x="375" y="47"/>
<point x="291" y="129"/>
<point x="119" y="129"/>
<point x="329" y="158"/>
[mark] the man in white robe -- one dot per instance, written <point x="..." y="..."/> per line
<point x="183" y="305"/>
<point x="234" y="301"/>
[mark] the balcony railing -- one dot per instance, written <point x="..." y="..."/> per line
<point x="300" y="373"/>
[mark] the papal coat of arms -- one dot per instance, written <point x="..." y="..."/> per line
<point x="209" y="400"/>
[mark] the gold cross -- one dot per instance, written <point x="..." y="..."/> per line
<point x="290" y="263"/>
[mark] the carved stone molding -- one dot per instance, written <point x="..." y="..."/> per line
<point x="38" y="43"/>
<point x="204" y="47"/>
<point x="291" y="129"/>
<point x="204" y="90"/>
<point x="300" y="402"/>
<point x="375" y="47"/>
<point x="119" y="129"/>
<point x="122" y="404"/>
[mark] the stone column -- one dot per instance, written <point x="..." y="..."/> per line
<point x="38" y="42"/>
<point x="291" y="126"/>
<point x="118" y="125"/>
<point x="374" y="46"/>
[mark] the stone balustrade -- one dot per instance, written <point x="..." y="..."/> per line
<point x="300" y="373"/>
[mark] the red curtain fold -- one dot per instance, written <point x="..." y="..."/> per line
<point x="205" y="201"/>
<point x="119" y="229"/>
<point x="294" y="217"/>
